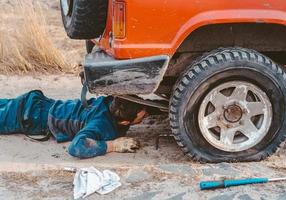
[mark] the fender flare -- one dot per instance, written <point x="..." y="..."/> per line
<point x="224" y="17"/>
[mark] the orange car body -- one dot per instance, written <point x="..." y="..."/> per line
<point x="141" y="38"/>
<point x="158" y="27"/>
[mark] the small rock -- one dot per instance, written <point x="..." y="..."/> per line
<point x="223" y="197"/>
<point x="245" y="197"/>
<point x="135" y="176"/>
<point x="282" y="197"/>
<point x="181" y="169"/>
<point x="224" y="169"/>
<point x="178" y="196"/>
<point x="56" y="155"/>
<point x="144" y="196"/>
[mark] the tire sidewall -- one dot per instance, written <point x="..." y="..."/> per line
<point x="67" y="20"/>
<point x="260" y="75"/>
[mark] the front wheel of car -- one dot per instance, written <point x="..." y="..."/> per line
<point x="230" y="106"/>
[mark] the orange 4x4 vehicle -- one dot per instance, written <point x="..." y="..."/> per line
<point x="218" y="63"/>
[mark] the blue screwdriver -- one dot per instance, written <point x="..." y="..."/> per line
<point x="206" y="185"/>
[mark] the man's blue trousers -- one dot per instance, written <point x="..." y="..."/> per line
<point x="27" y="114"/>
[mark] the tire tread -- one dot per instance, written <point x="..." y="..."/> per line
<point x="206" y="62"/>
<point x="88" y="19"/>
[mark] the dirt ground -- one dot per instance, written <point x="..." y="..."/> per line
<point x="34" y="170"/>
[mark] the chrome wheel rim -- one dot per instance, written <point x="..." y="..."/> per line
<point x="235" y="116"/>
<point x="67" y="7"/>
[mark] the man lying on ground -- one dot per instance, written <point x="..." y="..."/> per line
<point x="94" y="131"/>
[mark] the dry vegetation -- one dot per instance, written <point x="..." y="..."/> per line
<point x="25" y="45"/>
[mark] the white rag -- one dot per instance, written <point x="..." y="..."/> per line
<point x="90" y="180"/>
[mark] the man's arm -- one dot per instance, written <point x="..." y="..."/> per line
<point x="86" y="145"/>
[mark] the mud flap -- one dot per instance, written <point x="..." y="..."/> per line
<point x="105" y="75"/>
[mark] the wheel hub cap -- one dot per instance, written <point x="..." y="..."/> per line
<point x="233" y="113"/>
<point x="235" y="116"/>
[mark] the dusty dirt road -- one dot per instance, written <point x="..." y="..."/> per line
<point x="32" y="170"/>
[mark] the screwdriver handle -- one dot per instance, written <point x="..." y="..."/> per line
<point x="205" y="185"/>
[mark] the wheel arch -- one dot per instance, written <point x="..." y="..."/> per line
<point x="266" y="35"/>
<point x="230" y="16"/>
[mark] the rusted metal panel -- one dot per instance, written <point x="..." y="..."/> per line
<point x="105" y="75"/>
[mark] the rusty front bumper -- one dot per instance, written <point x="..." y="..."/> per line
<point x="105" y="75"/>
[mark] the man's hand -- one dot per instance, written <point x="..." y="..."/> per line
<point x="124" y="145"/>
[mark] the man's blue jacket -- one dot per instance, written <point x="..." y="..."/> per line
<point x="87" y="128"/>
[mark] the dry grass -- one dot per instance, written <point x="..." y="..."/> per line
<point x="25" y="45"/>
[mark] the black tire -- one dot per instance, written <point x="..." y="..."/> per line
<point x="84" y="19"/>
<point x="89" y="46"/>
<point x="211" y="70"/>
